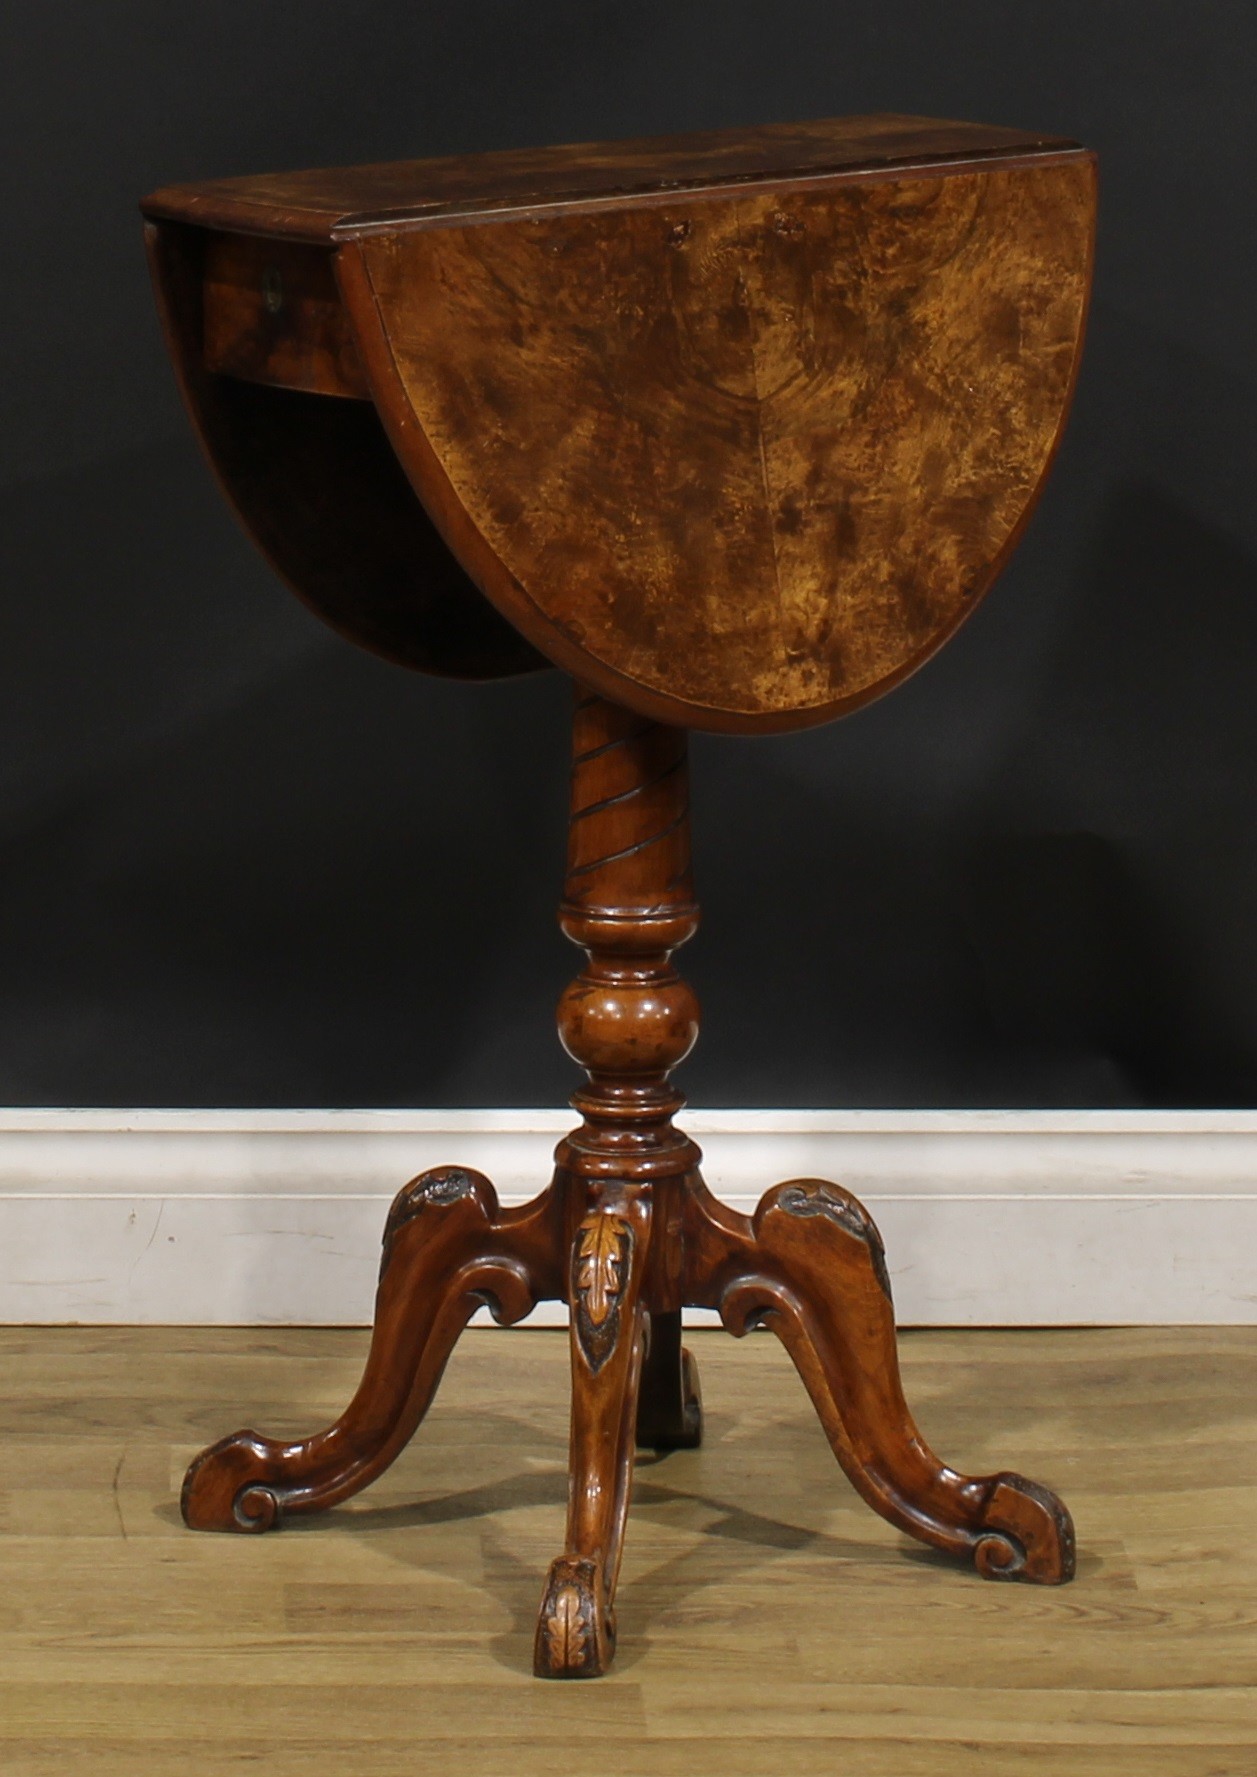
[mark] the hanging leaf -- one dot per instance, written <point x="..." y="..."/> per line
<point x="599" y="1275"/>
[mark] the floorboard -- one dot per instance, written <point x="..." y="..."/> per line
<point x="769" y="1623"/>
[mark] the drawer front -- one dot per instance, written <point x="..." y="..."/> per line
<point x="273" y="314"/>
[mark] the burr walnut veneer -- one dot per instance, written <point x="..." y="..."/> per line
<point x="735" y="429"/>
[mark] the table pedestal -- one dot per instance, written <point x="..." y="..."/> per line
<point x="627" y="1234"/>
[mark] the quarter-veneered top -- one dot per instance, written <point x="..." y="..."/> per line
<point x="327" y="203"/>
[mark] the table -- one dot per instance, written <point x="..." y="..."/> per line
<point x="735" y="429"/>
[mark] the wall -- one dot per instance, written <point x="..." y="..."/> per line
<point x="243" y="865"/>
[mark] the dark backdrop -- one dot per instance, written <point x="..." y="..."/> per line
<point x="243" y="864"/>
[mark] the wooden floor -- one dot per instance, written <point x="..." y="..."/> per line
<point x="770" y="1625"/>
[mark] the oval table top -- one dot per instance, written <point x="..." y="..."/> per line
<point x="736" y="428"/>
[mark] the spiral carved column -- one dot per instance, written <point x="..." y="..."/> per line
<point x="628" y="1018"/>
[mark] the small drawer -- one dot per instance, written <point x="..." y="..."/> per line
<point x="273" y="314"/>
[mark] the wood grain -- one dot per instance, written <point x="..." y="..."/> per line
<point x="741" y="462"/>
<point x="768" y="1621"/>
<point x="737" y="427"/>
<point x="273" y="314"/>
<point x="322" y="203"/>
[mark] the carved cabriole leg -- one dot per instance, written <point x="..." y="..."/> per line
<point x="809" y="1264"/>
<point x="628" y="1019"/>
<point x="576" y="1628"/>
<point x="448" y="1249"/>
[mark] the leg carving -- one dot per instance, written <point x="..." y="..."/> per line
<point x="576" y="1628"/>
<point x="575" y="1631"/>
<point x="809" y="1264"/>
<point x="447" y="1250"/>
<point x="670" y="1409"/>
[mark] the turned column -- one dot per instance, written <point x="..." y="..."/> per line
<point x="628" y="1018"/>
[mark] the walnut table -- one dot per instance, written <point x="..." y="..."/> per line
<point x="735" y="429"/>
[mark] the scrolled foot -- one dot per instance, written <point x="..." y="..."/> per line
<point x="576" y="1628"/>
<point x="235" y="1485"/>
<point x="1026" y="1533"/>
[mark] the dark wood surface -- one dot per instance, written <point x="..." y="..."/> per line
<point x="627" y="1233"/>
<point x="737" y="428"/>
<point x="743" y="462"/>
<point x="273" y="314"/>
<point x="321" y="203"/>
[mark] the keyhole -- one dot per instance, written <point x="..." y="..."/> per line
<point x="272" y="290"/>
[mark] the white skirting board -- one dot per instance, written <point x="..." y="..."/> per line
<point x="1009" y="1218"/>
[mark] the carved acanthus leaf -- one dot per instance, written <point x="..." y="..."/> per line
<point x="603" y="1251"/>
<point x="598" y="1276"/>
<point x="567" y="1630"/>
